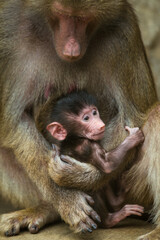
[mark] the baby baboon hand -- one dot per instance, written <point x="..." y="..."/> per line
<point x="135" y="136"/>
<point x="75" y="210"/>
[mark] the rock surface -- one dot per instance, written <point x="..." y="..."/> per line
<point x="129" y="230"/>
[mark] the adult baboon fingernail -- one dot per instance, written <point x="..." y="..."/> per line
<point x="94" y="226"/>
<point x="34" y="229"/>
<point x="91" y="201"/>
<point x="7" y="233"/>
<point x="14" y="231"/>
<point x="89" y="230"/>
<point x="98" y="219"/>
<point x="63" y="158"/>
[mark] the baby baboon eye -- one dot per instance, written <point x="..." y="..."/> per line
<point x="94" y="112"/>
<point x="86" y="118"/>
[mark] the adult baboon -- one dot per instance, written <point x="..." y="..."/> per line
<point x="49" y="46"/>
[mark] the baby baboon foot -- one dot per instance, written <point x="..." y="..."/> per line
<point x="12" y="223"/>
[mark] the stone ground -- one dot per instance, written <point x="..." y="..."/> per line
<point x="129" y="229"/>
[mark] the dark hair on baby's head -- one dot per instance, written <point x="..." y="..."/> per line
<point x="72" y="103"/>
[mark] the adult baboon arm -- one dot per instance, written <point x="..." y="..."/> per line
<point x="70" y="173"/>
<point x="33" y="153"/>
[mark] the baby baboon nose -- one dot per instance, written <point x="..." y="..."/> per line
<point x="102" y="127"/>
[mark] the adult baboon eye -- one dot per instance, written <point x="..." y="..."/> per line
<point x="86" y="118"/>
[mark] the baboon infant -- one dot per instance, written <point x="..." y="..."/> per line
<point x="75" y="124"/>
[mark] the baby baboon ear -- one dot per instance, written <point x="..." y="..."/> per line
<point x="57" y="131"/>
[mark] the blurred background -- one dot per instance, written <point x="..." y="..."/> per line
<point x="148" y="12"/>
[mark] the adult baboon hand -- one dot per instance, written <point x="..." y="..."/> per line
<point x="67" y="172"/>
<point x="74" y="208"/>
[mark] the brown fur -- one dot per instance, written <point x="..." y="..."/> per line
<point x="113" y="57"/>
